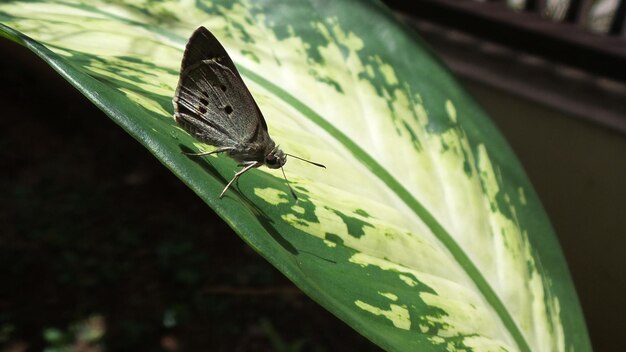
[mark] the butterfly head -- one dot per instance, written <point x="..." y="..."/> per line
<point x="275" y="159"/>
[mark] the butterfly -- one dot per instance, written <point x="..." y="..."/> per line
<point x="213" y="104"/>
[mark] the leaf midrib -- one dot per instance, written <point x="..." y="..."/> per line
<point x="379" y="171"/>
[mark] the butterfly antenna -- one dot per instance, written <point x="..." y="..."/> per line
<point x="308" y="161"/>
<point x="288" y="185"/>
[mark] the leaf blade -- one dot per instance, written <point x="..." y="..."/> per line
<point x="377" y="316"/>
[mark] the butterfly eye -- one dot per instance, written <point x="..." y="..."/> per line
<point x="271" y="160"/>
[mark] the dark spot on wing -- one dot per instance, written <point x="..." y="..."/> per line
<point x="204" y="101"/>
<point x="223" y="87"/>
<point x="228" y="109"/>
<point x="202" y="109"/>
<point x="205" y="93"/>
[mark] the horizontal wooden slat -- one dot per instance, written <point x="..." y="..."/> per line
<point x="567" y="43"/>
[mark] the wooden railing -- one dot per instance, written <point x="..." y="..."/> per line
<point x="560" y="30"/>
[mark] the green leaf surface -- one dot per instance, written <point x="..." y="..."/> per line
<point x="423" y="233"/>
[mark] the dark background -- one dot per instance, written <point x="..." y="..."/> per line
<point x="92" y="224"/>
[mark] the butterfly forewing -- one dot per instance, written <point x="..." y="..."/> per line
<point x="203" y="45"/>
<point x="212" y="101"/>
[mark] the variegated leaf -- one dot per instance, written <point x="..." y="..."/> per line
<point x="423" y="233"/>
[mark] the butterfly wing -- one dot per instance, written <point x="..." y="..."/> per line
<point x="212" y="102"/>
<point x="203" y="45"/>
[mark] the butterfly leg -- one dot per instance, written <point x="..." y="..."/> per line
<point x="218" y="150"/>
<point x="238" y="174"/>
